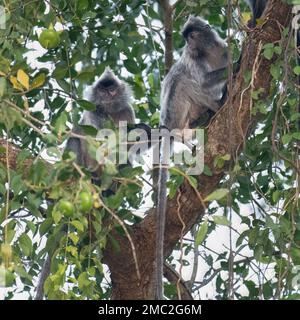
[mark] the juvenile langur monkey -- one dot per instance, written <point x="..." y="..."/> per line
<point x="112" y="98"/>
<point x="195" y="86"/>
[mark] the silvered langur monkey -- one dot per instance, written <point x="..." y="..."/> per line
<point x="112" y="98"/>
<point x="194" y="87"/>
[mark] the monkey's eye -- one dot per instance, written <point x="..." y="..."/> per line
<point x="207" y="26"/>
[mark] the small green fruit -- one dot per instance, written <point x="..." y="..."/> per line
<point x="86" y="201"/>
<point x="66" y="208"/>
<point x="49" y="39"/>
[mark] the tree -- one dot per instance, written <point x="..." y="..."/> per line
<point x="251" y="156"/>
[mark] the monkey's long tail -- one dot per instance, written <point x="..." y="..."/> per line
<point x="160" y="218"/>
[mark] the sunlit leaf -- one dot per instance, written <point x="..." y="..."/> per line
<point x="217" y="194"/>
<point x="221" y="220"/>
<point x="23" y="78"/>
<point x="201" y="233"/>
<point x="38" y="81"/>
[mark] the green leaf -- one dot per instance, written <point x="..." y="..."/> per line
<point x="207" y="171"/>
<point x="56" y="215"/>
<point x="221" y="220"/>
<point x="50" y="138"/>
<point x="31" y="226"/>
<point x="262" y="108"/>
<point x="86" y="105"/>
<point x="131" y="66"/>
<point x="89" y="130"/>
<point x="192" y="181"/>
<point x="275" y="71"/>
<point x="22" y="156"/>
<point x="110" y="168"/>
<point x="21" y="271"/>
<point x="217" y="194"/>
<point x="278" y="50"/>
<point x="268" y="51"/>
<point x="258" y="251"/>
<point x="17" y="184"/>
<point x="295" y="255"/>
<point x="53" y="152"/>
<point x="226" y="157"/>
<point x="81" y="5"/>
<point x="83" y="280"/>
<point x="60" y="72"/>
<point x="296" y="135"/>
<point x="276" y="196"/>
<point x="201" y="234"/>
<point x="267" y="291"/>
<point x="25" y="244"/>
<point x="74" y="237"/>
<point x="115" y="200"/>
<point x="45" y="226"/>
<point x="10" y="235"/>
<point x="297" y="70"/>
<point x="7" y="278"/>
<point x="78" y="225"/>
<point x="286" y="138"/>
<point x="72" y="250"/>
<point x="64" y="85"/>
<point x="38" y="81"/>
<point x="60" y="122"/>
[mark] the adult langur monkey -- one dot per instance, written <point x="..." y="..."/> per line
<point x="194" y="87"/>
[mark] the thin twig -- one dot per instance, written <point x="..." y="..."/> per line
<point x="122" y="224"/>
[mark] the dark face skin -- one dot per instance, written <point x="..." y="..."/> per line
<point x="107" y="89"/>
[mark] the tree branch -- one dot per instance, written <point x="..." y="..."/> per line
<point x="172" y="275"/>
<point x="168" y="27"/>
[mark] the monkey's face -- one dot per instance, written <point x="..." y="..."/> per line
<point x="199" y="36"/>
<point x="107" y="90"/>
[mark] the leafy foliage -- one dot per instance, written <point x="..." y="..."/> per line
<point x="42" y="94"/>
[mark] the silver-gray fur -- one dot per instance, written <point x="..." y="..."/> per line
<point x="196" y="82"/>
<point x="112" y="98"/>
